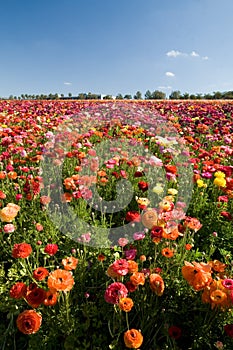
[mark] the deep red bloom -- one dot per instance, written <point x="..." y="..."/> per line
<point x="21" y="250"/>
<point x="51" y="249"/>
<point x="35" y="297"/>
<point x="133" y="216"/>
<point x="18" y="290"/>
<point x="143" y="186"/>
<point x="228" y="328"/>
<point x="174" y="332"/>
<point x="226" y="215"/>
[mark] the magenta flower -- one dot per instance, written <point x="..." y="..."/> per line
<point x="115" y="292"/>
<point x="120" y="266"/>
<point x="228" y="283"/>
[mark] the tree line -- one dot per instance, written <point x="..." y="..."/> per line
<point x="149" y="95"/>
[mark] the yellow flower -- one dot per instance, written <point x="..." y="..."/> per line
<point x="220" y="182"/>
<point x="200" y="183"/>
<point x="158" y="188"/>
<point x="219" y="174"/>
<point x="172" y="191"/>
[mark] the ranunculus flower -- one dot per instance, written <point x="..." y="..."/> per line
<point x="126" y="304"/>
<point x="60" y="280"/>
<point x="8" y="213"/>
<point x="228" y="328"/>
<point x="114" y="292"/>
<point x="18" y="290"/>
<point x="228" y="283"/>
<point x="70" y="263"/>
<point x="40" y="273"/>
<point x="174" y="332"/>
<point x="133" y="339"/>
<point x="120" y="266"/>
<point x="143" y="186"/>
<point x="9" y="228"/>
<point x="51" y="249"/>
<point x="156" y="283"/>
<point x="133" y="216"/>
<point x="21" y="250"/>
<point x="35" y="297"/>
<point x="29" y="322"/>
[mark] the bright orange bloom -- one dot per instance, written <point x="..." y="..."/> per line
<point x="126" y="304"/>
<point x="132" y="266"/>
<point x="217" y="265"/>
<point x="50" y="298"/>
<point x="173" y="235"/>
<point x="156" y="284"/>
<point x="133" y="339"/>
<point x="217" y="295"/>
<point x="137" y="278"/>
<point x="40" y="273"/>
<point x="12" y="175"/>
<point x="101" y="257"/>
<point x="66" y="197"/>
<point x="60" y="280"/>
<point x="29" y="322"/>
<point x="167" y="252"/>
<point x="70" y="263"/>
<point x="198" y="275"/>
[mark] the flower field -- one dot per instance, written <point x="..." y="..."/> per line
<point x="116" y="225"/>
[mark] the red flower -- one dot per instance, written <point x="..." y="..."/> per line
<point x="133" y="216"/>
<point x="40" y="273"/>
<point x="29" y="321"/>
<point x="174" y="332"/>
<point x="143" y="186"/>
<point x="226" y="215"/>
<point x="51" y="249"/>
<point x="35" y="297"/>
<point x="228" y="328"/>
<point x="21" y="250"/>
<point x="18" y="290"/>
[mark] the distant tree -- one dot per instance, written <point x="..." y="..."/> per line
<point x="138" y="96"/>
<point x="82" y="96"/>
<point x="208" y="97"/>
<point x="148" y="95"/>
<point x="119" y="97"/>
<point x="158" y="95"/>
<point x="70" y="94"/>
<point x="127" y="97"/>
<point x="217" y="95"/>
<point x="185" y="96"/>
<point x="175" y="95"/>
<point x="107" y="97"/>
<point x="227" y="95"/>
<point x="192" y="97"/>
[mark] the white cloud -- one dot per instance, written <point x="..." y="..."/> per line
<point x="67" y="83"/>
<point x="174" y="53"/>
<point x="165" y="87"/>
<point x="194" y="54"/>
<point x="169" y="74"/>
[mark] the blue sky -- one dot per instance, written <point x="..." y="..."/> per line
<point x="111" y="47"/>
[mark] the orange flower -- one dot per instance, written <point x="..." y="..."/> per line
<point x="173" y="235"/>
<point x="133" y="339"/>
<point x="70" y="263"/>
<point x="50" y="298"/>
<point x="150" y="218"/>
<point x="192" y="223"/>
<point x="60" y="280"/>
<point x="29" y="322"/>
<point x="167" y="252"/>
<point x="218" y="296"/>
<point x="156" y="283"/>
<point x="101" y="257"/>
<point x="198" y="275"/>
<point x="40" y="273"/>
<point x="137" y="278"/>
<point x="12" y="175"/>
<point x="66" y="197"/>
<point x="8" y="213"/>
<point x="132" y="266"/>
<point x="126" y="304"/>
<point x="217" y="265"/>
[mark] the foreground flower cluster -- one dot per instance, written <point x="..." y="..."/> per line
<point x="145" y="266"/>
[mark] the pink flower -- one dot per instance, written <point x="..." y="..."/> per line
<point x="122" y="241"/>
<point x="9" y="228"/>
<point x="51" y="249"/>
<point x="120" y="266"/>
<point x="130" y="254"/>
<point x="18" y="196"/>
<point x="115" y="292"/>
<point x="39" y="227"/>
<point x="228" y="283"/>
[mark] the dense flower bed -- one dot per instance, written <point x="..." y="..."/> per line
<point x="116" y="221"/>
